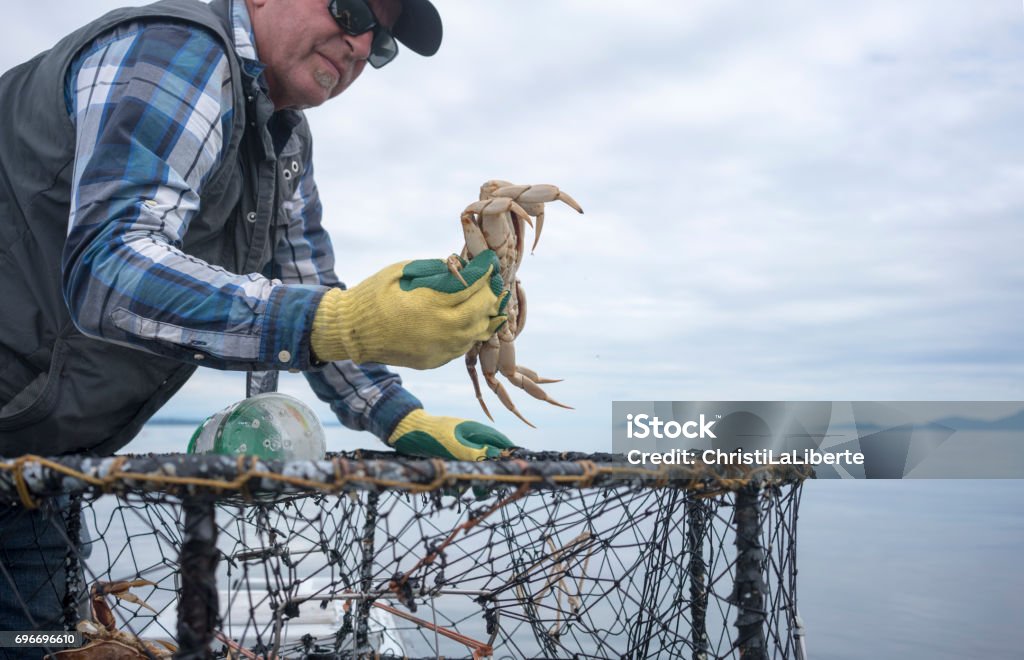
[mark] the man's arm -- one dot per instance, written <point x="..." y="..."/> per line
<point x="152" y="107"/>
<point x="364" y="397"/>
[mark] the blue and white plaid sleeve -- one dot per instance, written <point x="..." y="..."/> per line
<point x="367" y="396"/>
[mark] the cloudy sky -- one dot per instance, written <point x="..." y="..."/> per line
<point x="785" y="200"/>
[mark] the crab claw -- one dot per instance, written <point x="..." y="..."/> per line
<point x="101" y="612"/>
<point x="119" y="590"/>
<point x="132" y="598"/>
<point x="454" y="266"/>
<point x="549" y="194"/>
<point x="532" y="199"/>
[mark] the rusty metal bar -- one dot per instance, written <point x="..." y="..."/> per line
<point x="198" y="617"/>
<point x="362" y="625"/>
<point x="74" y="584"/>
<point x="749" y="587"/>
<point x="696" y="528"/>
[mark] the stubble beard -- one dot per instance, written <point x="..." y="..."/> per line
<point x="328" y="81"/>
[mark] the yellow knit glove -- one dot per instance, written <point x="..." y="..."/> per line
<point x="422" y="434"/>
<point x="412" y="314"/>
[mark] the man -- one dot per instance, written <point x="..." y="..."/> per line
<point x="158" y="213"/>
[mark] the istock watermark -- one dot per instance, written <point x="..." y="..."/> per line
<point x="740" y="457"/>
<point x="644" y="426"/>
<point x="840" y="439"/>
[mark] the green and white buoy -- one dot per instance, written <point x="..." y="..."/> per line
<point x="271" y="426"/>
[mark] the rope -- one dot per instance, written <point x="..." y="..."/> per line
<point x="703" y="480"/>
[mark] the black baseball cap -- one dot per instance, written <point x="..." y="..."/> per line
<point x="419" y="27"/>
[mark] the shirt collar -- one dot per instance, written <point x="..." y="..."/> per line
<point x="245" y="43"/>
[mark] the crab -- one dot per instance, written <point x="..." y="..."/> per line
<point x="498" y="222"/>
<point x="105" y="641"/>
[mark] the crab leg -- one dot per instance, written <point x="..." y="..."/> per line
<point x="471" y="358"/>
<point x="529" y="373"/>
<point x="532" y="199"/>
<point x="501" y="222"/>
<point x="489" y="358"/>
<point x="535" y="377"/>
<point x="521" y="307"/>
<point x="475" y="240"/>
<point x="507" y="365"/>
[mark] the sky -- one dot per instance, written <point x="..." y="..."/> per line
<point x="784" y="201"/>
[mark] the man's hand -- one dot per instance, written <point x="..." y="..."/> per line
<point x="412" y="314"/>
<point x="422" y="434"/>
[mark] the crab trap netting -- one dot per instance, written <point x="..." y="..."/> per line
<point x="374" y="555"/>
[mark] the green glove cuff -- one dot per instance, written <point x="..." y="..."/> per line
<point x="412" y="314"/>
<point x="422" y="434"/>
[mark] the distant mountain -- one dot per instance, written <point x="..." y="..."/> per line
<point x="1014" y="422"/>
<point x="173" y="421"/>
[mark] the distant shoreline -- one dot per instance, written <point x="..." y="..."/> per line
<point x="177" y="421"/>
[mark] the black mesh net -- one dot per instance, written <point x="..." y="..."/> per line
<point x="554" y="556"/>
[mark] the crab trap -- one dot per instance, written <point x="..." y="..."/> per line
<point x="373" y="555"/>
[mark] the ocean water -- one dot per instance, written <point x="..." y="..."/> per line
<point x="917" y="568"/>
<point x="887" y="569"/>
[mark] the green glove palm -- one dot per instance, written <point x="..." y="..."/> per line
<point x="412" y="314"/>
<point x="422" y="434"/>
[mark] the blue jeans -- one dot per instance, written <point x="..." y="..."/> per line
<point x="33" y="575"/>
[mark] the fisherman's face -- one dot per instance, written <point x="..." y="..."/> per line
<point x="308" y="58"/>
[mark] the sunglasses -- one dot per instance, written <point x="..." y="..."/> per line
<point x="355" y="17"/>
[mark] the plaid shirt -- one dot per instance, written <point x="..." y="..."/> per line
<point x="153" y="107"/>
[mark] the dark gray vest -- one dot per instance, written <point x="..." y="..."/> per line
<point x="61" y="391"/>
